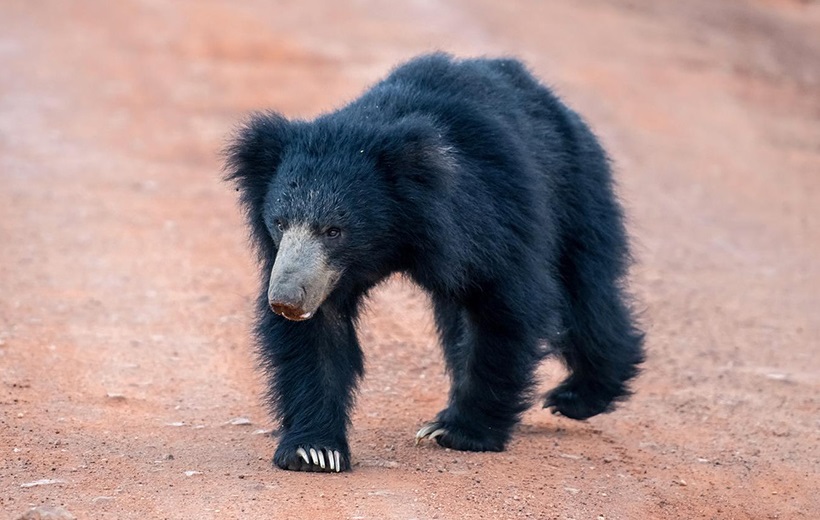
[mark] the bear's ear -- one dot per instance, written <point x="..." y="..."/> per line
<point x="255" y="151"/>
<point x="251" y="159"/>
<point x="415" y="152"/>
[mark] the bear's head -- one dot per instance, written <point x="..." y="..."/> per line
<point x="334" y="204"/>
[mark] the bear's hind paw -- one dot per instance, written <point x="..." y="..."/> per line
<point x="575" y="402"/>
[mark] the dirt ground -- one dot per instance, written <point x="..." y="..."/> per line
<point x="128" y="381"/>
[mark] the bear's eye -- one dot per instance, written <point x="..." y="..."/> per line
<point x="279" y="225"/>
<point x="333" y="232"/>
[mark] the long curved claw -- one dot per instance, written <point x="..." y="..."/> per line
<point x="302" y="453"/>
<point x="321" y="454"/>
<point x="430" y="431"/>
<point x="316" y="458"/>
<point x="437" y="433"/>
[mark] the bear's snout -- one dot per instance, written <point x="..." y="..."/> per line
<point x="301" y="278"/>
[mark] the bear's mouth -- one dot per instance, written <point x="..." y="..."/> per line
<point x="291" y="313"/>
<point x="300" y="317"/>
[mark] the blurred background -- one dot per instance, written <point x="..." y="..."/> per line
<point x="127" y="379"/>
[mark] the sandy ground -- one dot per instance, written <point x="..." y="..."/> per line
<point x="128" y="380"/>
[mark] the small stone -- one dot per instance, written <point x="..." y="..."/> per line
<point x="41" y="482"/>
<point x="47" y="513"/>
<point x="569" y="456"/>
<point x="115" y="396"/>
<point x="239" y="421"/>
<point x="191" y="473"/>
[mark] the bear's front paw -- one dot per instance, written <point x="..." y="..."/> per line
<point x="448" y="435"/>
<point x="312" y="458"/>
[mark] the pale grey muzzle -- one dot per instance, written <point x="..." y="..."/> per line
<point x="301" y="278"/>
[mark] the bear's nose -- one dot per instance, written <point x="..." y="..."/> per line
<point x="288" y="301"/>
<point x="287" y="295"/>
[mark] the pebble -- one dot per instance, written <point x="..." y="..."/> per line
<point x="47" y="513"/>
<point x="41" y="482"/>
<point x="570" y="456"/>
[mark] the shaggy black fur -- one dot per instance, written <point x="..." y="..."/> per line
<point x="478" y="183"/>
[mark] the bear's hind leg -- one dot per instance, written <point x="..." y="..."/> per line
<point x="602" y="349"/>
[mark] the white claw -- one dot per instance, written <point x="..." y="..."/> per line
<point x="437" y="433"/>
<point x="302" y="453"/>
<point x="425" y="431"/>
<point x="330" y="461"/>
<point x="313" y="456"/>
<point x="431" y="431"/>
<point x="337" y="457"/>
<point x="322" y="459"/>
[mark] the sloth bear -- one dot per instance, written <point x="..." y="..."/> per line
<point x="475" y="181"/>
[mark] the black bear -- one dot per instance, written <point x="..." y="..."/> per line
<point x="474" y="180"/>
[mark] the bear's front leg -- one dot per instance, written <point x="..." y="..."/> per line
<point x="491" y="351"/>
<point x="313" y="366"/>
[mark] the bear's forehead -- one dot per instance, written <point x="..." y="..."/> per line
<point x="305" y="199"/>
<point x="319" y="177"/>
<point x="320" y="190"/>
<point x="327" y="170"/>
<point x="330" y="139"/>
